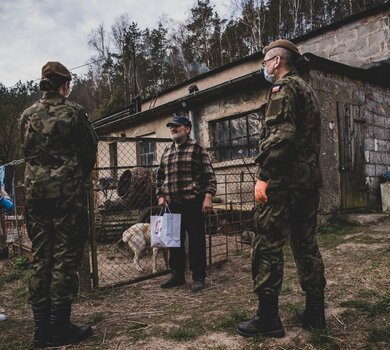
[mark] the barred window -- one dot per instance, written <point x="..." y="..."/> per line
<point x="237" y="136"/>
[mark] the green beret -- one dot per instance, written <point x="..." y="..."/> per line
<point x="56" y="68"/>
<point x="286" y="44"/>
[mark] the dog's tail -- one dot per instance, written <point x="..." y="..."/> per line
<point x="125" y="236"/>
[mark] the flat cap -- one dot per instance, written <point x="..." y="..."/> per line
<point x="179" y="120"/>
<point x="55" y="68"/>
<point x="286" y="44"/>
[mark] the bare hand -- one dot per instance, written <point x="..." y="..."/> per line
<point x="207" y="206"/>
<point x="161" y="201"/>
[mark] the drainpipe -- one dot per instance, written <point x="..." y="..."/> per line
<point x="191" y="117"/>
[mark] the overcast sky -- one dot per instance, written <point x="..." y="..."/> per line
<point x="33" y="32"/>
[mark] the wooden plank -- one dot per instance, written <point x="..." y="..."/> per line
<point x="352" y="128"/>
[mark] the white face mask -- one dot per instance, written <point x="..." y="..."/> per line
<point x="268" y="77"/>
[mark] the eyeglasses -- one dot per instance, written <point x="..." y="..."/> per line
<point x="263" y="64"/>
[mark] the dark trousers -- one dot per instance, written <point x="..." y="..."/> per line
<point x="287" y="215"/>
<point x="192" y="222"/>
<point x="58" y="230"/>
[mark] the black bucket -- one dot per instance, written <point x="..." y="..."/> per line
<point x="136" y="187"/>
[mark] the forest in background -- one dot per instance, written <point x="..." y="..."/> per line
<point x="130" y="62"/>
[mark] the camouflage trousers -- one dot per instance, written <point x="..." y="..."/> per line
<point x="287" y="215"/>
<point x="58" y="230"/>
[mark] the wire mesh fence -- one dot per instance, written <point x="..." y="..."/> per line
<point x="124" y="199"/>
<point x="123" y="195"/>
<point x="14" y="232"/>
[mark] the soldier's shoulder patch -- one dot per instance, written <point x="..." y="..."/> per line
<point x="276" y="88"/>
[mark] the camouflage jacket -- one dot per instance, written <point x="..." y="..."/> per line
<point x="290" y="135"/>
<point x="59" y="146"/>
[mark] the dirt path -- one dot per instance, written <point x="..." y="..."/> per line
<point x="143" y="316"/>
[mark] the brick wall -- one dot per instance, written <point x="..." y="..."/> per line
<point x="358" y="43"/>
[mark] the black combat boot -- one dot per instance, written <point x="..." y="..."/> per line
<point x="266" y="322"/>
<point x="41" y="320"/>
<point x="313" y="316"/>
<point x="4" y="253"/>
<point x="176" y="279"/>
<point x="62" y="331"/>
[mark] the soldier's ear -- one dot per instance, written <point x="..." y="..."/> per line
<point x="277" y="61"/>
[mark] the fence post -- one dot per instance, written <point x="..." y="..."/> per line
<point x="3" y="237"/>
<point x="85" y="267"/>
<point x="92" y="235"/>
<point x="210" y="241"/>
<point x="85" y="271"/>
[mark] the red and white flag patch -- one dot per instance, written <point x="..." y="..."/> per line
<point x="276" y="88"/>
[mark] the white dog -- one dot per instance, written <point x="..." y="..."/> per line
<point x="138" y="238"/>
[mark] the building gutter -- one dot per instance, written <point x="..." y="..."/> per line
<point x="115" y="121"/>
<point x="375" y="75"/>
<point x="309" y="61"/>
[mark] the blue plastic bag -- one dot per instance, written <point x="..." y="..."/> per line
<point x="5" y="201"/>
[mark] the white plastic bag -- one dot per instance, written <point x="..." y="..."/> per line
<point x="165" y="229"/>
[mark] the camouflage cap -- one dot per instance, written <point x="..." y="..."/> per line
<point x="55" y="68"/>
<point x="286" y="44"/>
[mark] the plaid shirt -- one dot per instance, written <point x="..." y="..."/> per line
<point x="185" y="172"/>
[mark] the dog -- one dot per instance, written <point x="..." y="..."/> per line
<point x="138" y="239"/>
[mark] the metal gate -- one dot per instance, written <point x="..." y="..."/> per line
<point x="123" y="194"/>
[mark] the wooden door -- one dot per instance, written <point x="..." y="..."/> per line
<point x="352" y="131"/>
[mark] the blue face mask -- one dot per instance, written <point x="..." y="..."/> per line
<point x="269" y="77"/>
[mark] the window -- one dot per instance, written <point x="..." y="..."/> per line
<point x="236" y="137"/>
<point x="147" y="152"/>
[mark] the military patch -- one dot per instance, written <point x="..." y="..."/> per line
<point x="275" y="107"/>
<point x="276" y="88"/>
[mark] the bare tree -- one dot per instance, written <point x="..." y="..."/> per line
<point x="98" y="40"/>
<point x="253" y="15"/>
<point x="295" y="7"/>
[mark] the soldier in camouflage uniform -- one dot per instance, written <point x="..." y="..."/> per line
<point x="59" y="146"/>
<point x="287" y="195"/>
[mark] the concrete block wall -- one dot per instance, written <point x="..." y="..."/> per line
<point x="359" y="43"/>
<point x="377" y="143"/>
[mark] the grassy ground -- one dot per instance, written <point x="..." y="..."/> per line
<point x="143" y="316"/>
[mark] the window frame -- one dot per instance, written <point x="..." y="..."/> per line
<point x="142" y="157"/>
<point x="248" y="147"/>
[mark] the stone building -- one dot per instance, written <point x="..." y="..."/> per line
<point x="347" y="64"/>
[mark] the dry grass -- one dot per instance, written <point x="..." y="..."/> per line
<point x="143" y="316"/>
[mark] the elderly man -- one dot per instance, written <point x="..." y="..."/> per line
<point x="186" y="182"/>
<point x="287" y="195"/>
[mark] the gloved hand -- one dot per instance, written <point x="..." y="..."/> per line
<point x="260" y="192"/>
